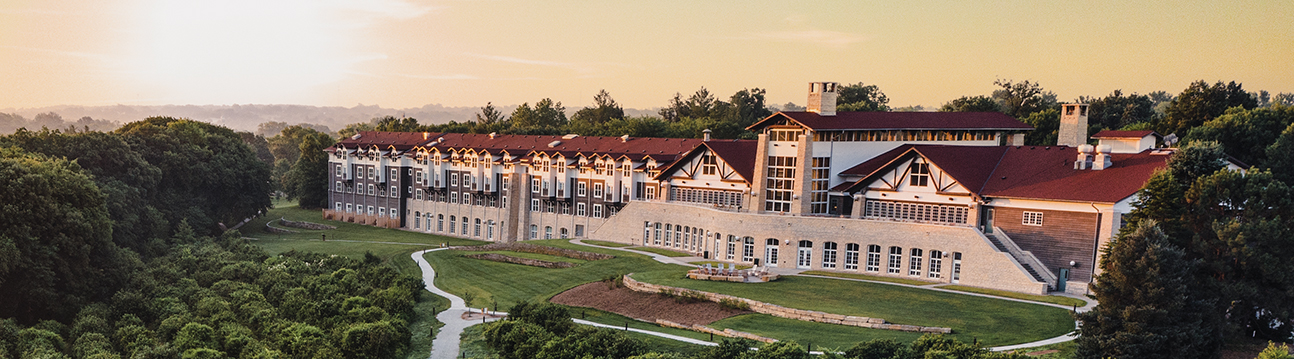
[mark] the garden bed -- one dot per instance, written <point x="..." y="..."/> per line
<point x="518" y="260"/>
<point x="643" y="306"/>
<point x="530" y="248"/>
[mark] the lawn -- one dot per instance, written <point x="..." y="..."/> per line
<point x="507" y="284"/>
<point x="866" y="277"/>
<point x="662" y="251"/>
<point x="1054" y="299"/>
<point x="992" y="321"/>
<point x="607" y="244"/>
<point x="830" y="336"/>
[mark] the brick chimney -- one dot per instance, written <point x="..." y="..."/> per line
<point x="822" y="98"/>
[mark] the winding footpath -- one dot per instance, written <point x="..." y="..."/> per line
<point x="446" y="343"/>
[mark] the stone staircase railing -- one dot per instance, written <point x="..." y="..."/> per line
<point x="1026" y="258"/>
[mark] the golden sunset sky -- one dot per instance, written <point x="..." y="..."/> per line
<point x="407" y="53"/>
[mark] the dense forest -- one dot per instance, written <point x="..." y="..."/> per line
<point x="114" y="245"/>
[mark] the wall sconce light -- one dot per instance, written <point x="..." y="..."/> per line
<point x="1073" y="264"/>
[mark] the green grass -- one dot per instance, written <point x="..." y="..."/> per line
<point x="867" y="277"/>
<point x="716" y="264"/>
<point x="992" y="321"/>
<point x="1054" y="299"/>
<point x="607" y="244"/>
<point x="1065" y="351"/>
<point x="663" y="251"/>
<point x="509" y="283"/>
<point x="472" y="343"/>
<point x="345" y="231"/>
<point x="542" y="257"/>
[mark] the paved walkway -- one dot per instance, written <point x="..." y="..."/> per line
<point x="933" y="286"/>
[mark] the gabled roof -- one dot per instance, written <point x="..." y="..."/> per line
<point x="401" y="141"/>
<point x="1034" y="172"/>
<point x="1125" y="134"/>
<point x="661" y="149"/>
<point x="738" y="154"/>
<point x="898" y="121"/>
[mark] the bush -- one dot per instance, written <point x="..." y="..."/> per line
<point x="736" y="304"/>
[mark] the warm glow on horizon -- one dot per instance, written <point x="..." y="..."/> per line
<point x="404" y="53"/>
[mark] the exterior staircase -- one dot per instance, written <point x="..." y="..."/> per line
<point x="1031" y="264"/>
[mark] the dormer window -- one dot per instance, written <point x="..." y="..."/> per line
<point x="919" y="175"/>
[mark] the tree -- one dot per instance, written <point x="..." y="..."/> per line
<point x="1280" y="156"/>
<point x="972" y="104"/>
<point x="1046" y="127"/>
<point x="490" y="115"/>
<point x="1117" y="111"/>
<point x="270" y="129"/>
<point x="605" y="109"/>
<point x="545" y="114"/>
<point x="308" y="179"/>
<point x="1023" y="98"/>
<point x="1245" y="134"/>
<point x="1275" y="352"/>
<point x="1201" y="102"/>
<point x="747" y="107"/>
<point x="1150" y="305"/>
<point x="859" y="97"/>
<point x="56" y="250"/>
<point x="393" y="124"/>
<point x="700" y="104"/>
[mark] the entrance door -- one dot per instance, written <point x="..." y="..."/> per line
<point x="770" y="252"/>
<point x="804" y="257"/>
<point x="957" y="267"/>
<point x="1061" y="279"/>
<point x="988" y="221"/>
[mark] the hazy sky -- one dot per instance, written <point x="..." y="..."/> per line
<point x="406" y="53"/>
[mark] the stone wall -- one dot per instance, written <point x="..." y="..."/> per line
<point x="304" y="225"/>
<point x="784" y="312"/>
<point x="277" y="230"/>
<point x="708" y="330"/>
<point x="982" y="265"/>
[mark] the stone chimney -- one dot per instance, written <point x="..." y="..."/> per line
<point x="1073" y="125"/>
<point x="822" y="98"/>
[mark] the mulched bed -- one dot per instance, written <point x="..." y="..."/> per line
<point x="644" y="306"/>
<point x="518" y="260"/>
<point x="531" y="248"/>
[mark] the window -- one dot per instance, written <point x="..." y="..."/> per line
<point x="732" y="246"/>
<point x="565" y="208"/>
<point x="453" y="197"/>
<point x="781" y="176"/>
<point x="563" y="233"/>
<point x="818" y="185"/>
<point x="580" y="188"/>
<point x="370" y="210"/>
<point x="467" y="198"/>
<point x="534" y="231"/>
<point x="452" y="223"/>
<point x="371" y="190"/>
<point x="337" y="207"/>
<point x="851" y="256"/>
<point x="534" y="205"/>
<point x="453" y="179"/>
<point x="1032" y="218"/>
<point x="896" y="260"/>
<point x="394" y="192"/>
<point x="597" y="211"/>
<point x="829" y="255"/>
<point x="489" y="230"/>
<point x="395" y="172"/>
<point x="916" y="211"/>
<point x="440" y="223"/>
<point x="669" y="234"/>
<point x="348" y="208"/>
<point x="748" y="249"/>
<point x="464" y="226"/>
<point x="914" y="263"/>
<point x="678" y="236"/>
<point x="650" y="192"/>
<point x="580" y="209"/>
<point x="656" y="234"/>
<point x="381" y="211"/>
<point x="476" y="229"/>
<point x="936" y="264"/>
<point x="418" y="194"/>
<point x="339" y="188"/>
<point x="418" y="177"/>
<point x="548" y="232"/>
<point x="337" y="169"/>
<point x="394" y="214"/>
<point x="919" y="174"/>
<point x="709" y="165"/>
<point x="579" y="230"/>
<point x="597" y="190"/>
<point x="783" y="135"/>
<point x="646" y="231"/>
<point x="372" y="173"/>
<point x="534" y="185"/>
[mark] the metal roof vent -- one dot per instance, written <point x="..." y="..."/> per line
<point x="356" y="136"/>
<point x="570" y="136"/>
<point x="554" y="144"/>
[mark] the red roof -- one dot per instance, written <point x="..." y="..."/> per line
<point x="1124" y="134"/>
<point x="402" y="141"/>
<point x="738" y="154"/>
<point x="899" y="121"/>
<point x="1036" y="172"/>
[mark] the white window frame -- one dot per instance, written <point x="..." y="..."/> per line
<point x="1030" y="218"/>
<point x="581" y="210"/>
<point x="597" y="190"/>
<point x="597" y="211"/>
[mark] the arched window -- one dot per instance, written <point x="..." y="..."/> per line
<point x="829" y="255"/>
<point x="564" y="233"/>
<point x="489" y="231"/>
<point x="851" y="256"/>
<point x="669" y="233"/>
<point x="417" y="224"/>
<point x="548" y="232"/>
<point x="476" y="229"/>
<point x="914" y="263"/>
<point x="896" y="261"/>
<point x="534" y="231"/>
<point x="804" y="256"/>
<point x="936" y="264"/>
<point x="646" y="232"/>
<point x="428" y="219"/>
<point x="440" y="223"/>
<point x="452" y="223"/>
<point x="748" y="249"/>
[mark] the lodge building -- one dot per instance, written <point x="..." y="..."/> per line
<point x="937" y="196"/>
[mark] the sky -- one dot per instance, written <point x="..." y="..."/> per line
<point x="408" y="53"/>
